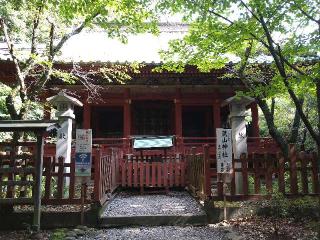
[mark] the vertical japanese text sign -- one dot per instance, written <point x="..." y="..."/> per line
<point x="83" y="152"/>
<point x="224" y="150"/>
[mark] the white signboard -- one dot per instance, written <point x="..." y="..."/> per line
<point x="83" y="152"/>
<point x="224" y="150"/>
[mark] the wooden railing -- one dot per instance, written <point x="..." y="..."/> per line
<point x="164" y="172"/>
<point x="106" y="178"/>
<point x="261" y="175"/>
<point x="198" y="175"/>
<point x="198" y="141"/>
<point x="60" y="187"/>
<point x="17" y="174"/>
<point x="255" y="144"/>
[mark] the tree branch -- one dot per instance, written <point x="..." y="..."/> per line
<point x="273" y="104"/>
<point x="51" y="37"/>
<point x="34" y="30"/>
<point x="76" y="31"/>
<point x="294" y="134"/>
<point x="298" y="105"/>
<point x="273" y="131"/>
<point x="305" y="13"/>
<point x="20" y="76"/>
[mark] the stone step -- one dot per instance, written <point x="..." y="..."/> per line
<point x="156" y="220"/>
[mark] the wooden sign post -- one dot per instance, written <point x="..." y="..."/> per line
<point x="224" y="161"/>
<point x="83" y="163"/>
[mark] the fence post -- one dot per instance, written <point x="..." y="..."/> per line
<point x="72" y="177"/>
<point x="256" y="167"/>
<point x="244" y="162"/>
<point x="97" y="173"/>
<point x="281" y="173"/>
<point x="207" y="181"/>
<point x="315" y="172"/>
<point x="60" y="177"/>
<point x="268" y="176"/>
<point x="293" y="170"/>
<point x="304" y="173"/>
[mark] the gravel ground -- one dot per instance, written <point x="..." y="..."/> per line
<point x="160" y="233"/>
<point x="141" y="233"/>
<point x="132" y="204"/>
<point x="239" y="229"/>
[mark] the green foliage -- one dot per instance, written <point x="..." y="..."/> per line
<point x="4" y="91"/>
<point x="275" y="46"/>
<point x="118" y="17"/>
<point x="58" y="234"/>
<point x="282" y="207"/>
<point x="278" y="206"/>
<point x="43" y="27"/>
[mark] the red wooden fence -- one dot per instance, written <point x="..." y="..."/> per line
<point x="262" y="174"/>
<point x="165" y="172"/>
<point x="106" y="177"/>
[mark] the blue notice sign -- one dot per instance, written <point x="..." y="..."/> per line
<point x="83" y="164"/>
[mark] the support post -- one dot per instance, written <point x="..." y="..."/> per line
<point x="216" y="116"/>
<point x="86" y="116"/>
<point x="127" y="117"/>
<point x="207" y="183"/>
<point x="37" y="184"/>
<point x="255" y="121"/>
<point x="178" y="118"/>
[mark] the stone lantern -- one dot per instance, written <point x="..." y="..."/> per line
<point x="237" y="106"/>
<point x="65" y="113"/>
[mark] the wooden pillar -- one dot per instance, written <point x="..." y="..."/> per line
<point x="86" y="116"/>
<point x="127" y="114"/>
<point x="127" y="117"/>
<point x="37" y="190"/>
<point x="178" y="118"/>
<point x="216" y="116"/>
<point x="255" y="120"/>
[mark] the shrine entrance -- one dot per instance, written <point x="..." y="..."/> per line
<point x="152" y="117"/>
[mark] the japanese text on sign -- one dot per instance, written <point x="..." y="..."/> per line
<point x="224" y="150"/>
<point x="83" y="152"/>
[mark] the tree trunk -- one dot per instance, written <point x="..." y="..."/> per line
<point x="294" y="135"/>
<point x="274" y="132"/>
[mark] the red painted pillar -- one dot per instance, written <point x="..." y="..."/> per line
<point x="178" y="118"/>
<point x="216" y="116"/>
<point x="127" y="116"/>
<point x="86" y="116"/>
<point x="255" y="119"/>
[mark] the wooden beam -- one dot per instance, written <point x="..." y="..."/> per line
<point x="17" y="201"/>
<point x="15" y="183"/>
<point x="27" y="170"/>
